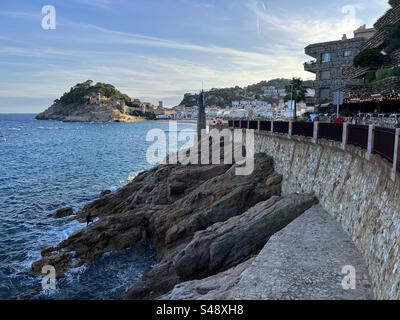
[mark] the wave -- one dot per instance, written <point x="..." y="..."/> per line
<point x="50" y="128"/>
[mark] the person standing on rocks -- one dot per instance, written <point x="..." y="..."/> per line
<point x="89" y="219"/>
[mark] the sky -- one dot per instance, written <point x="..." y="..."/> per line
<point x="160" y="49"/>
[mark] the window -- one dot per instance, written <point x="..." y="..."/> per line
<point x="324" y="94"/>
<point x="325" y="75"/>
<point x="326" y="57"/>
<point x="347" y="53"/>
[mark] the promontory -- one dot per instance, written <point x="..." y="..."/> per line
<point x="100" y="102"/>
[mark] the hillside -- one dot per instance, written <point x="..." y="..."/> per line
<point x="224" y="97"/>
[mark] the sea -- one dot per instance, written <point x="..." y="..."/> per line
<point x="47" y="165"/>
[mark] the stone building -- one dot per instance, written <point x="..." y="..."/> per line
<point x="380" y="94"/>
<point x="97" y="98"/>
<point x="379" y="41"/>
<point x="331" y="60"/>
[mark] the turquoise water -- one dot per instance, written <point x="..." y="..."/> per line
<point x="45" y="165"/>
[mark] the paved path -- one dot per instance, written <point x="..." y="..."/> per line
<point x="305" y="261"/>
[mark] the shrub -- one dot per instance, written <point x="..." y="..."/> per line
<point x="370" y="76"/>
<point x="386" y="73"/>
<point x="393" y="41"/>
<point x="368" y="58"/>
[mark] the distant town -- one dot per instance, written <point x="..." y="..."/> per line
<point x="361" y="74"/>
<point x="357" y="79"/>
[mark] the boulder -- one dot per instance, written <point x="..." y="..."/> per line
<point x="227" y="244"/>
<point x="105" y="193"/>
<point x="216" y="287"/>
<point x="64" y="212"/>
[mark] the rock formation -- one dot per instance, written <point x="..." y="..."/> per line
<point x="89" y="102"/>
<point x="226" y="244"/>
<point x="201" y="219"/>
<point x="82" y="112"/>
<point x="64" y="212"/>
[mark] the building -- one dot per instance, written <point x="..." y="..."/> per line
<point x="97" y="98"/>
<point x="382" y="82"/>
<point x="331" y="60"/>
<point x="170" y="113"/>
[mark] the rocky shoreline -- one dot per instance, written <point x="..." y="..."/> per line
<point x="202" y="220"/>
<point x="101" y="113"/>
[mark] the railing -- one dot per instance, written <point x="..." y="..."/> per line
<point x="376" y="140"/>
<point x="265" y="125"/>
<point x="253" y="125"/>
<point x="281" y="127"/>
<point x="358" y="136"/>
<point x="305" y="129"/>
<point x="244" y="124"/>
<point x="330" y="131"/>
<point x="384" y="143"/>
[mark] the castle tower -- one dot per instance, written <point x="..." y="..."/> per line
<point x="98" y="98"/>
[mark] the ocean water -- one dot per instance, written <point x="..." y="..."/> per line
<point x="46" y="165"/>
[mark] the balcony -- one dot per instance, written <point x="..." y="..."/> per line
<point x="311" y="66"/>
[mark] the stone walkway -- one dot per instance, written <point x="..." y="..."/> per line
<point x="305" y="261"/>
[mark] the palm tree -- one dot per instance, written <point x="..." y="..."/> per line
<point x="296" y="92"/>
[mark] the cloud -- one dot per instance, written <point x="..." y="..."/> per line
<point x="156" y="68"/>
<point x="104" y="4"/>
<point x="205" y="5"/>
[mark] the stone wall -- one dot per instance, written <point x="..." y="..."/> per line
<point x="356" y="192"/>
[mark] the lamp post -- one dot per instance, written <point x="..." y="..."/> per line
<point x="201" y="119"/>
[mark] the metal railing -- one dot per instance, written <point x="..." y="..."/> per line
<point x="281" y="127"/>
<point x="376" y="140"/>
<point x="305" y="129"/>
<point x="384" y="142"/>
<point x="253" y="125"/>
<point x="265" y="125"/>
<point x="358" y="136"/>
<point x="330" y="131"/>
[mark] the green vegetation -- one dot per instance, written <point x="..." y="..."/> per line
<point x="78" y="94"/>
<point x="393" y="41"/>
<point x="224" y="97"/>
<point x="296" y="88"/>
<point x="387" y="73"/>
<point x="296" y="91"/>
<point x="370" y="76"/>
<point x="146" y="115"/>
<point x="369" y="58"/>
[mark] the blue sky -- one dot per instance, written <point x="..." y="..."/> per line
<point x="160" y="49"/>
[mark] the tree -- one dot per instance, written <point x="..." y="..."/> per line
<point x="296" y="91"/>
<point x="372" y="58"/>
